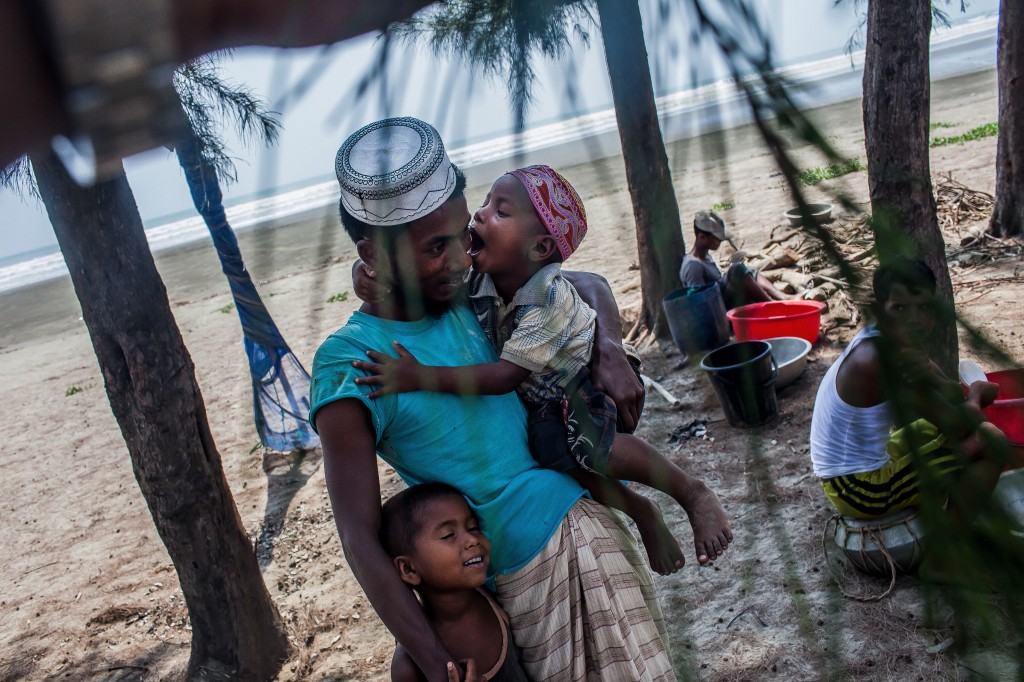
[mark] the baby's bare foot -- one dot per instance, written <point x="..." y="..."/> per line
<point x="711" y="531"/>
<point x="663" y="551"/>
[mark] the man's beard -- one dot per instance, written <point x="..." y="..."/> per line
<point x="408" y="297"/>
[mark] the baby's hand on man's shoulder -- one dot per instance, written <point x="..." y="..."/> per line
<point x="366" y="284"/>
<point x="391" y="374"/>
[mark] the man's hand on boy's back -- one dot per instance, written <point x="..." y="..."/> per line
<point x="610" y="370"/>
<point x="612" y="374"/>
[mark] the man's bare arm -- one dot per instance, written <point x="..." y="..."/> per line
<point x="350" y="468"/>
<point x="935" y="397"/>
<point x="859" y="380"/>
<point x="906" y="378"/>
<point x="609" y="366"/>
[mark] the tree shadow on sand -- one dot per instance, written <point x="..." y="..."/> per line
<point x="98" y="665"/>
<point x="287" y="473"/>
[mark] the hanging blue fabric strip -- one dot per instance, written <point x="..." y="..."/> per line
<point x="280" y="383"/>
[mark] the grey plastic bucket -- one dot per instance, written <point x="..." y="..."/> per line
<point x="743" y="376"/>
<point x="696" y="318"/>
<point x="883" y="545"/>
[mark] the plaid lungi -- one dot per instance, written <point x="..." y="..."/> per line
<point x="585" y="607"/>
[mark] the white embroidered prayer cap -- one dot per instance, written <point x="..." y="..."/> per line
<point x="394" y="171"/>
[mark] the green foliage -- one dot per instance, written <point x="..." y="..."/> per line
<point x="987" y="130"/>
<point x="226" y="309"/>
<point x="856" y="40"/>
<point x="941" y="124"/>
<point x="343" y="296"/>
<point x="209" y="101"/>
<point x="723" y="206"/>
<point x="501" y="37"/>
<point x="812" y="176"/>
<point x="17" y="177"/>
<point x="77" y="389"/>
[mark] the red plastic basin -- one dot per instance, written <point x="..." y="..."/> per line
<point x="1007" y="412"/>
<point x="760" y="321"/>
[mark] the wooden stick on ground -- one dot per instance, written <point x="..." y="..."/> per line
<point x="634" y="331"/>
<point x="777" y="241"/>
<point x="662" y="391"/>
<point x="861" y="255"/>
<point x="839" y="281"/>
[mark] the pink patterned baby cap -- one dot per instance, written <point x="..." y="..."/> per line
<point x="557" y="204"/>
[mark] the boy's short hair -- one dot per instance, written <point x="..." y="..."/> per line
<point x="398" y="518"/>
<point x="358" y="230"/>
<point x="915" y="275"/>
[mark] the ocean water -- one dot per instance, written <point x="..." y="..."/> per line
<point x="964" y="48"/>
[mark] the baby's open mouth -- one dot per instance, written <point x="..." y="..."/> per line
<point x="476" y="244"/>
<point x="474" y="561"/>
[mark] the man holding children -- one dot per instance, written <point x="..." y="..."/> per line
<point x="553" y="551"/>
<point x="531" y="221"/>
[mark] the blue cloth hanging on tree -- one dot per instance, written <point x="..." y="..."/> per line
<point x="280" y="384"/>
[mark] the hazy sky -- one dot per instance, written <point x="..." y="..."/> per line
<point x="463" y="106"/>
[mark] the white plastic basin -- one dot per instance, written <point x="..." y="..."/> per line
<point x="790" y="353"/>
<point x="820" y="213"/>
<point x="1009" y="494"/>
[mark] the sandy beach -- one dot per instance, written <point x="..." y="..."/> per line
<point x="90" y="593"/>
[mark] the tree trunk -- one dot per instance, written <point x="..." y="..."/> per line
<point x="896" y="118"/>
<point x="658" y="232"/>
<point x="150" y="383"/>
<point x="1008" y="212"/>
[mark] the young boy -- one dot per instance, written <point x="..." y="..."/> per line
<point x="435" y="542"/>
<point x="739" y="284"/>
<point x="531" y="221"/>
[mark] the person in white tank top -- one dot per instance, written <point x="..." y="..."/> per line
<point x="866" y="467"/>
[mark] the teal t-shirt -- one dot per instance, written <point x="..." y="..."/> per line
<point x="474" y="443"/>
